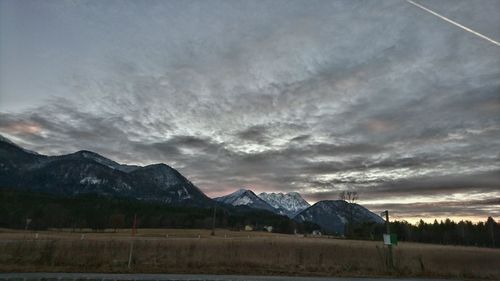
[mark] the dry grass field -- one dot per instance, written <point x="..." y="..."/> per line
<point x="236" y="253"/>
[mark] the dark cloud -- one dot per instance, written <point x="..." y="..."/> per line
<point x="254" y="133"/>
<point x="483" y="182"/>
<point x="301" y="138"/>
<point x="431" y="186"/>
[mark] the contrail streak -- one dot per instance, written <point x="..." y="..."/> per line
<point x="454" y="23"/>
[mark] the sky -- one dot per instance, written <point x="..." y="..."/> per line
<point x="378" y="97"/>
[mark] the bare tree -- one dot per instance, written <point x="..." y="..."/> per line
<point x="350" y="197"/>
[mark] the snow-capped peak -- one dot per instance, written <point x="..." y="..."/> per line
<point x="288" y="204"/>
<point x="244" y="197"/>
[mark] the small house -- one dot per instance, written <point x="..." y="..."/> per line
<point x="316" y="233"/>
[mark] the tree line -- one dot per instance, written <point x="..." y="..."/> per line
<point x="38" y="211"/>
<point x="449" y="232"/>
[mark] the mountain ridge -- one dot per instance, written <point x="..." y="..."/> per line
<point x="88" y="172"/>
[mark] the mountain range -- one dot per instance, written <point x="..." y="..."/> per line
<point x="286" y="204"/>
<point x="85" y="172"/>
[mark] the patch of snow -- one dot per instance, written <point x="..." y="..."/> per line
<point x="91" y="180"/>
<point x="187" y="195"/>
<point x="245" y="200"/>
<point x="342" y="219"/>
<point x="183" y="194"/>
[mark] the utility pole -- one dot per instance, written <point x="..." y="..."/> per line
<point x="390" y="262"/>
<point x="213" y="222"/>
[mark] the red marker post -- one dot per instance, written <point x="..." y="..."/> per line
<point x="134" y="231"/>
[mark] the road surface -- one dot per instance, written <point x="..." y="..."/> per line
<point x="178" y="277"/>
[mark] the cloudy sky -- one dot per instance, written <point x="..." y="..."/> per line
<point x="380" y="97"/>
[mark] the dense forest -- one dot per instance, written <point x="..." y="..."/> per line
<point x="21" y="209"/>
<point x="484" y="234"/>
<point x="448" y="232"/>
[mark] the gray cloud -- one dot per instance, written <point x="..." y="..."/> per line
<point x="315" y="98"/>
<point x="431" y="186"/>
<point x="466" y="210"/>
<point x="446" y="184"/>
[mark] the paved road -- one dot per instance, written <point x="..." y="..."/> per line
<point x="175" y="277"/>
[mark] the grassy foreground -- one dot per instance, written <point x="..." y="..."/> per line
<point x="236" y="253"/>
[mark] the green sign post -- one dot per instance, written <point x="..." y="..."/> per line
<point x="389" y="240"/>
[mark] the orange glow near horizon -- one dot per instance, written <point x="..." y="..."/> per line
<point x="415" y="220"/>
<point x="24" y="128"/>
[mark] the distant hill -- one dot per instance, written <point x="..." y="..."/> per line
<point x="333" y="215"/>
<point x="88" y="172"/>
<point x="289" y="204"/>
